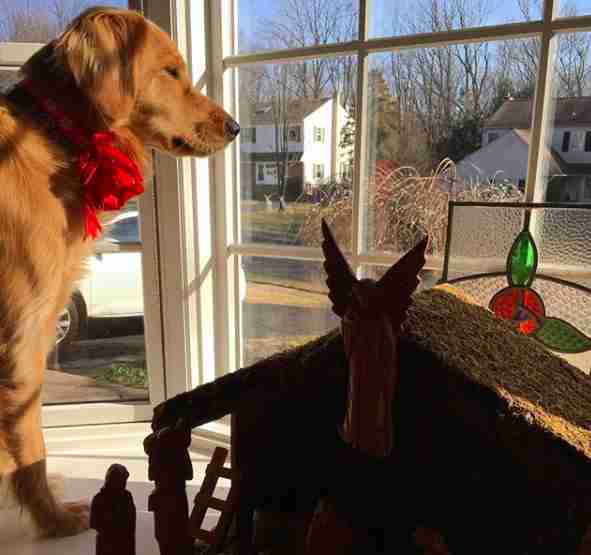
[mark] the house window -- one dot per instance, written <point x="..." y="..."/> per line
<point x="318" y="171"/>
<point x="492" y="136"/>
<point x="260" y="173"/>
<point x="346" y="170"/>
<point x="588" y="141"/>
<point x="248" y="134"/>
<point x="295" y="134"/>
<point x="318" y="134"/>
<point x="565" y="141"/>
<point x="587" y="189"/>
<point x="578" y="141"/>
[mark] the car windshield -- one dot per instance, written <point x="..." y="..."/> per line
<point x="124" y="231"/>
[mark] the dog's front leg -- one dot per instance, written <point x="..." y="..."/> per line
<point x="31" y="485"/>
<point x="22" y="440"/>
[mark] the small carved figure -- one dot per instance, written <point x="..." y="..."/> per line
<point x="113" y="515"/>
<point x="170" y="467"/>
<point x="372" y="314"/>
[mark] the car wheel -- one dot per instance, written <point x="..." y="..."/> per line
<point x="70" y="322"/>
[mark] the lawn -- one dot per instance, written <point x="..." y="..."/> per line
<point x="272" y="225"/>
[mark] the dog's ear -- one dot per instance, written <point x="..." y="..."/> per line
<point x="101" y="51"/>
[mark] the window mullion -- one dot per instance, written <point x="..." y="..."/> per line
<point x="360" y="153"/>
<point x="543" y="107"/>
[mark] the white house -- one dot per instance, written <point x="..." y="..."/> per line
<point x="314" y="155"/>
<point x="505" y="146"/>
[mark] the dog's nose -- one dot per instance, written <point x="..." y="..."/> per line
<point x="232" y="128"/>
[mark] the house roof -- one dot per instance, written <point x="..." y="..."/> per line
<point x="557" y="162"/>
<point x="262" y="113"/>
<point x="517" y="113"/>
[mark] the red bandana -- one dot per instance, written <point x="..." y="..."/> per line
<point x="110" y="178"/>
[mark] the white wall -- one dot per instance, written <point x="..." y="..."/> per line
<point x="317" y="153"/>
<point x="508" y="153"/>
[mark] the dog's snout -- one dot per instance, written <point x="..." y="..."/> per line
<point x="232" y="128"/>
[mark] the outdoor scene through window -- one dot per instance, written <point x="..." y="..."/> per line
<point x="452" y="122"/>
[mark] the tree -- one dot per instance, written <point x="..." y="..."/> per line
<point x="299" y="23"/>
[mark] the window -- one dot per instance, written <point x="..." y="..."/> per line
<point x="125" y="230"/>
<point x="565" y="141"/>
<point x="294" y="134"/>
<point x="346" y="170"/>
<point x="588" y="141"/>
<point x="248" y="134"/>
<point x="260" y="172"/>
<point x="492" y="136"/>
<point x="587" y="189"/>
<point x="578" y="141"/>
<point x="318" y="171"/>
<point x="318" y="134"/>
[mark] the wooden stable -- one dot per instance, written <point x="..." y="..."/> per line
<point x="493" y="447"/>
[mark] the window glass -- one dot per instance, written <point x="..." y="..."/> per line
<point x="281" y="24"/>
<point x="573" y="8"/>
<point x="100" y="352"/>
<point x="286" y="305"/>
<point x="429" y="113"/>
<point x="41" y="20"/>
<point x="570" y="120"/>
<point x="289" y="179"/>
<point x="409" y="17"/>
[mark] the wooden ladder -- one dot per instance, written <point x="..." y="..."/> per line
<point x="205" y="500"/>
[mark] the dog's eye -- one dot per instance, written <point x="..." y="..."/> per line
<point x="172" y="71"/>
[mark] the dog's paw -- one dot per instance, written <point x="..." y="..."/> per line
<point x="69" y="519"/>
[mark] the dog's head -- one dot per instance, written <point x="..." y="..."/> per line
<point x="131" y="74"/>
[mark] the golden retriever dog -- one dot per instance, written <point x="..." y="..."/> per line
<point x="111" y="71"/>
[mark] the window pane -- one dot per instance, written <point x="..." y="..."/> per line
<point x="100" y="353"/>
<point x="570" y="133"/>
<point x="281" y="24"/>
<point x="571" y="8"/>
<point x="450" y="122"/>
<point x="408" y="17"/>
<point x="286" y="305"/>
<point x="8" y="77"/>
<point x="39" y="20"/>
<point x="302" y="127"/>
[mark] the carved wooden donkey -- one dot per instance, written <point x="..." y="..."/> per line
<point x="372" y="314"/>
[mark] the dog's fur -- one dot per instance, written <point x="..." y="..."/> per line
<point x="112" y="70"/>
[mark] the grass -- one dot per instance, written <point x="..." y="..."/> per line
<point x="124" y="374"/>
<point x="259" y="348"/>
<point x="285" y="225"/>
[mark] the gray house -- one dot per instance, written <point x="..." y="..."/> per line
<point x="505" y="146"/>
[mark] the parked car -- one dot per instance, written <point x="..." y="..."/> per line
<point x="112" y="287"/>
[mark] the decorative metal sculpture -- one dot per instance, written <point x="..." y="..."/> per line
<point x="372" y="313"/>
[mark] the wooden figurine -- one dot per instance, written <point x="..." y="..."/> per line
<point x="372" y="314"/>
<point x="170" y="467"/>
<point x="113" y="515"/>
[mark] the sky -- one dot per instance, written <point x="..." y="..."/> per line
<point x="384" y="12"/>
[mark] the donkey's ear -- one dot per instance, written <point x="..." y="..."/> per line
<point x="101" y="49"/>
